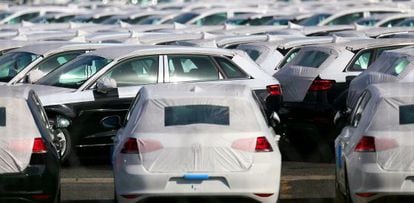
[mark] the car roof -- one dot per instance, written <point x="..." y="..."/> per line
<point x="358" y="44"/>
<point x="116" y="53"/>
<point x="54" y="47"/>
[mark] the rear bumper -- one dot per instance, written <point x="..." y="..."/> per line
<point x="34" y="180"/>
<point x="368" y="177"/>
<point x="134" y="179"/>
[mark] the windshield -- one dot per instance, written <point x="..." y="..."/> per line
<point x="314" y="20"/>
<point x="196" y="114"/>
<point x="151" y="20"/>
<point x="75" y="73"/>
<point x="182" y="18"/>
<point x="309" y="58"/>
<point x="13" y="62"/>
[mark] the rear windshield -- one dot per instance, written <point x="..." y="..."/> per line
<point x="406" y="114"/>
<point x="2" y="117"/>
<point x="196" y="114"/>
<point x="313" y="59"/>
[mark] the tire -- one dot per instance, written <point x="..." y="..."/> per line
<point x="66" y="143"/>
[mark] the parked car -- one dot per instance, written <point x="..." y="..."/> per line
<point x="29" y="164"/>
<point x="38" y="60"/>
<point x="315" y="84"/>
<point x="213" y="135"/>
<point x="373" y="152"/>
<point x="80" y="94"/>
<point x="392" y="66"/>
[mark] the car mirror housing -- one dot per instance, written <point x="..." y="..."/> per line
<point x="104" y="85"/>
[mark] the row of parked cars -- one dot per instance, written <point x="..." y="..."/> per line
<point x="217" y="104"/>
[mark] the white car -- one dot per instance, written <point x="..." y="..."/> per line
<point x="196" y="140"/>
<point x="374" y="156"/>
<point x="392" y="66"/>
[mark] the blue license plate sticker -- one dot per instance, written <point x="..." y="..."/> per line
<point x="195" y="176"/>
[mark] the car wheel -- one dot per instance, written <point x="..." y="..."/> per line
<point x="65" y="143"/>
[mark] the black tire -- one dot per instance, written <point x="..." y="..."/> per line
<point x="68" y="148"/>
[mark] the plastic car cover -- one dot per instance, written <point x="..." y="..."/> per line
<point x="393" y="65"/>
<point x="390" y="119"/>
<point x="17" y="130"/>
<point x="196" y="147"/>
<point x="296" y="79"/>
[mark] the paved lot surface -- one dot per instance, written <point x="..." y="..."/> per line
<point x="301" y="182"/>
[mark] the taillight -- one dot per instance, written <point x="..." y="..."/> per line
<point x="259" y="144"/>
<point x="371" y="144"/>
<point x="145" y="146"/>
<point x="39" y="146"/>
<point x="130" y="146"/>
<point x="366" y="144"/>
<point x="274" y="90"/>
<point x="130" y="196"/>
<point x="262" y="145"/>
<point x="41" y="197"/>
<point x="366" y="194"/>
<point x="321" y="85"/>
<point x="263" y="194"/>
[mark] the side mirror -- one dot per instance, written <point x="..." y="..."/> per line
<point x="274" y="119"/>
<point x="104" y="85"/>
<point x="34" y="76"/>
<point x="111" y="122"/>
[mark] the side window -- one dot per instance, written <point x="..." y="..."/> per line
<point x="25" y="17"/>
<point x="191" y="68"/>
<point x="57" y="60"/>
<point x="346" y="19"/>
<point x="230" y="69"/>
<point x="137" y="71"/>
<point x="362" y="62"/>
<point x="359" y="109"/>
<point x="214" y="19"/>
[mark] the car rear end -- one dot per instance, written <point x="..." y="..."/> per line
<point x="266" y="88"/>
<point x="381" y="164"/>
<point x="212" y="154"/>
<point x="29" y="168"/>
<point x="311" y="85"/>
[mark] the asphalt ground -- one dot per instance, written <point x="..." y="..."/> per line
<point x="300" y="182"/>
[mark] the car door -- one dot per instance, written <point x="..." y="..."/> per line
<point x="130" y="75"/>
<point x="343" y="145"/>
